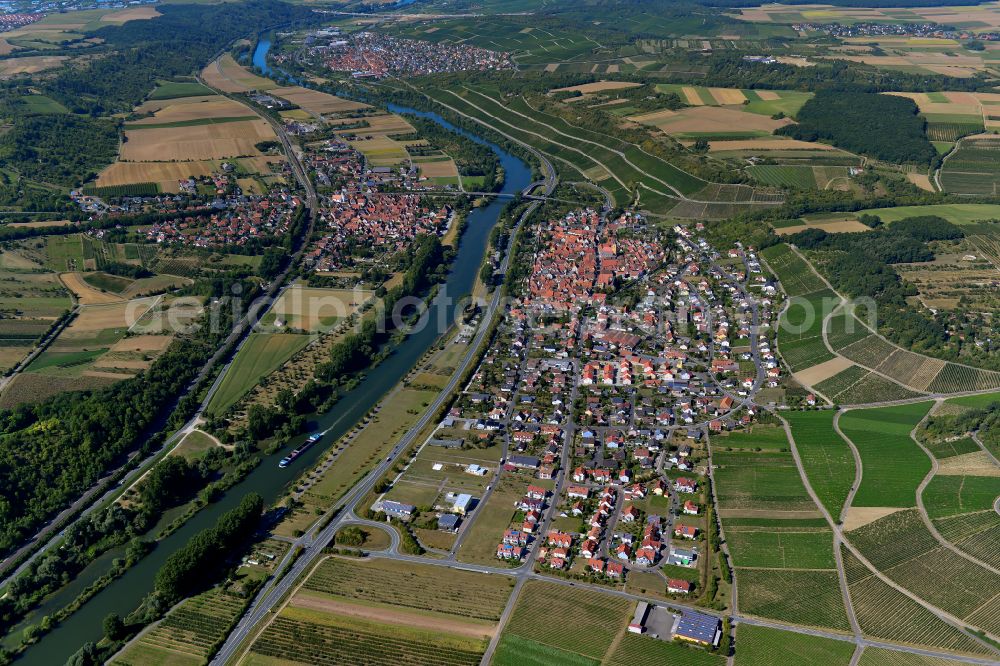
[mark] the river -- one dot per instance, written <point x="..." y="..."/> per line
<point x="125" y="594"/>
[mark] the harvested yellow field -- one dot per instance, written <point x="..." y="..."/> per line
<point x="691" y="96"/>
<point x="728" y="95"/>
<point x="817" y="373"/>
<point x="195" y="142"/>
<point x="316" y="102"/>
<point x="442" y="169"/>
<point x="229" y="76"/>
<point x="164" y="174"/>
<point x="718" y="119"/>
<point x="766" y="144"/>
<point x="388" y="123"/>
<point x="154" y="105"/>
<point x="114" y="315"/>
<point x="131" y="14"/>
<point x="142" y="343"/>
<point x="29" y="65"/>
<point x="656" y="118"/>
<point x="844" y="226"/>
<point x="196" y="108"/>
<point x="86" y="294"/>
<point x="598" y="86"/>
<point x="768" y="95"/>
<point x="921" y="180"/>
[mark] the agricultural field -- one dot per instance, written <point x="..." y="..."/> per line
<point x="801" y="176"/>
<point x="892" y="463"/>
<point x="761" y="102"/>
<point x="800" y="330"/>
<point x="323" y="638"/>
<point x="516" y="651"/>
<point x="542" y="611"/>
<point x="826" y="458"/>
<point x="972" y="167"/>
<point x="796" y="276"/>
<point x="317" y="103"/>
<point x="888" y="614"/>
<point x="762" y="483"/>
<point x="902" y="547"/>
<point x="312" y="309"/>
<point x="585" y="153"/>
<point x="260" y="355"/>
<point x="873" y="656"/>
<point x="715" y="122"/>
<point x="191" y="142"/>
<point x="764" y="646"/>
<point x="781" y="548"/>
<point x="188" y="135"/>
<point x="961" y="507"/>
<point x="31" y="299"/>
<point x="804" y="597"/>
<point x="188" y="634"/>
<point x="960" y="214"/>
<point x="413" y="586"/>
<point x="229" y="76"/>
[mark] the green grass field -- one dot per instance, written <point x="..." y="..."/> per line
<point x="763" y="646"/>
<point x="41" y="104"/>
<point x="767" y="480"/>
<point x="517" y="651"/>
<point x="107" y="282"/>
<point x="955" y="213"/>
<point x="260" y="355"/>
<point x="785" y="549"/>
<point x="892" y="463"/>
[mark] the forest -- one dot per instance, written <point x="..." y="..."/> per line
<point x="882" y="126"/>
